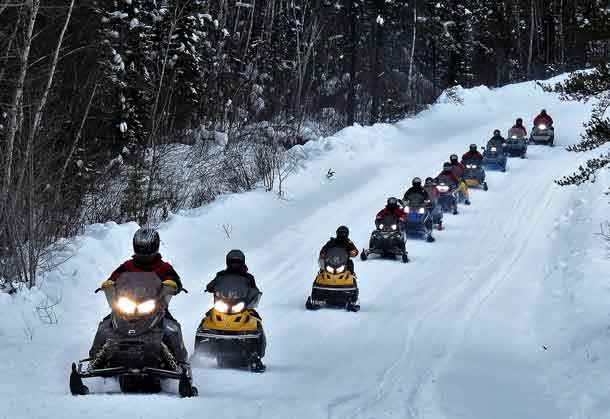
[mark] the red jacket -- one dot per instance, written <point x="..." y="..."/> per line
<point x="450" y="175"/>
<point x="543" y="119"/>
<point x="433" y="192"/>
<point x="458" y="170"/>
<point x="157" y="265"/>
<point x="397" y="212"/>
<point x="472" y="155"/>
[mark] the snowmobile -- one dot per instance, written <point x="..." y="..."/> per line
<point x="516" y="144"/>
<point x="543" y="134"/>
<point x="138" y="343"/>
<point x="335" y="285"/>
<point x="419" y="219"/>
<point x="231" y="331"/>
<point x="474" y="173"/>
<point x="387" y="240"/>
<point x="494" y="156"/>
<point x="449" y="194"/>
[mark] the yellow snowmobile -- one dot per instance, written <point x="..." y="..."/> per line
<point x="335" y="285"/>
<point x="474" y="174"/>
<point x="232" y="330"/>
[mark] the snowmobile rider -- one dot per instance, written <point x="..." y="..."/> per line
<point x="472" y="154"/>
<point x="236" y="265"/>
<point x="543" y="118"/>
<point x="417" y="193"/>
<point x="342" y="240"/>
<point x="497" y="137"/>
<point x="449" y="172"/>
<point x="147" y="258"/>
<point x="431" y="190"/>
<point x="391" y="208"/>
<point x="458" y="170"/>
<point x="519" y="126"/>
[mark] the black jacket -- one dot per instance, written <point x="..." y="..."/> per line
<point x="416" y="191"/>
<point x="241" y="272"/>
<point x="335" y="242"/>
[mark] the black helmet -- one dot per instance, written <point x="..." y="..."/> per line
<point x="392" y="202"/>
<point x="146" y="242"/>
<point x="236" y="257"/>
<point x="447" y="166"/>
<point x="453" y="158"/>
<point x="473" y="147"/>
<point x="496" y="132"/>
<point x="416" y="181"/>
<point x="519" y="121"/>
<point x="543" y="112"/>
<point x="429" y="181"/>
<point x="342" y="232"/>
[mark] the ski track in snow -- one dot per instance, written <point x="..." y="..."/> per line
<point x="456" y="333"/>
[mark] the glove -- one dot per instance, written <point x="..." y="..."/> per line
<point x="109" y="283"/>
<point x="171" y="284"/>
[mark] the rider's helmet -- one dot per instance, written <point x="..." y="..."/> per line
<point x="496" y="133"/>
<point x="146" y="242"/>
<point x="543" y="112"/>
<point x="392" y="203"/>
<point x="416" y="181"/>
<point x="447" y="166"/>
<point x="235" y="259"/>
<point x="519" y="122"/>
<point x="473" y="147"/>
<point x="343" y="232"/>
<point x="429" y="181"/>
<point x="454" y="159"/>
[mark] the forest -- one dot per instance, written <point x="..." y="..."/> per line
<point x="128" y="110"/>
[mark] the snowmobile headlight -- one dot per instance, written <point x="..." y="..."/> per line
<point x="394" y="227"/>
<point x="238" y="308"/>
<point x="330" y="269"/>
<point x="146" y="307"/>
<point x="406" y="208"/>
<point x="422" y="210"/>
<point x="221" y="306"/>
<point x="125" y="305"/>
<point x="542" y="127"/>
<point x="380" y="226"/>
<point x="514" y="137"/>
<point x="443" y="188"/>
<point x="494" y="149"/>
<point x="340" y="269"/>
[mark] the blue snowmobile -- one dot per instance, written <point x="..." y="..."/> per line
<point x="494" y="154"/>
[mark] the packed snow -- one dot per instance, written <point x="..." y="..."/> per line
<point x="504" y="317"/>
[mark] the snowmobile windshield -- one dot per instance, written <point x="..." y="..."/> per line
<point x="137" y="294"/>
<point x="233" y="289"/>
<point x="493" y="143"/>
<point x="471" y="163"/>
<point x="515" y="133"/>
<point x="336" y="257"/>
<point x="415" y="200"/>
<point x="388" y="223"/>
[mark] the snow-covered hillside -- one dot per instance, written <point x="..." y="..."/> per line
<point x="504" y="317"/>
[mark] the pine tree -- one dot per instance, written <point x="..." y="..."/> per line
<point x="594" y="85"/>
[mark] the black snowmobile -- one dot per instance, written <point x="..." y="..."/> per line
<point x="448" y="190"/>
<point x="138" y="342"/>
<point x="387" y="240"/>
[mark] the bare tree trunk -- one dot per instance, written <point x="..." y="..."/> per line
<point x="530" y="51"/>
<point x="43" y="100"/>
<point x="412" y="55"/>
<point x="378" y="64"/>
<point x="351" y="95"/>
<point x="9" y="45"/>
<point x="13" y="126"/>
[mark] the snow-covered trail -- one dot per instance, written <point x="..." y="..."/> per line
<point x="457" y="333"/>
